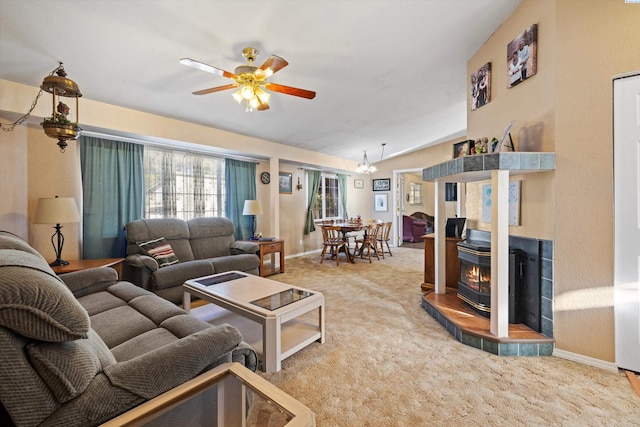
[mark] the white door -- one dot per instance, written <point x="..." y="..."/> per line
<point x="400" y="191"/>
<point x="626" y="165"/>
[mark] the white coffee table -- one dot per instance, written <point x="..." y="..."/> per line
<point x="276" y="306"/>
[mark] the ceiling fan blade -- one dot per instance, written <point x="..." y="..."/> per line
<point x="273" y="63"/>
<point x="215" y="89"/>
<point x="302" y="93"/>
<point x="208" y="68"/>
<point x="262" y="106"/>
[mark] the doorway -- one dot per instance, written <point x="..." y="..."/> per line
<point x="626" y="169"/>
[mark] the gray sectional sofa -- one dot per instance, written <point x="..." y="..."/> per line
<point x="201" y="247"/>
<point x="80" y="348"/>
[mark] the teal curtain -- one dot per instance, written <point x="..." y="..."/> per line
<point x="113" y="195"/>
<point x="240" y="179"/>
<point x="314" y="178"/>
<point x="342" y="184"/>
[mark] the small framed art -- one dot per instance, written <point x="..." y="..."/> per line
<point x="285" y="182"/>
<point x="382" y="184"/>
<point x="358" y="183"/>
<point x="462" y="149"/>
<point x="380" y="203"/>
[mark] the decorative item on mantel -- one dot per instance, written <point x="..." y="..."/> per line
<point x="58" y="125"/>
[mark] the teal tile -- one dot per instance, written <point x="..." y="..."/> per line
<point x="490" y="346"/>
<point x="507" y="349"/>
<point x="471" y="340"/>
<point x="546" y="349"/>
<point x="528" y="349"/>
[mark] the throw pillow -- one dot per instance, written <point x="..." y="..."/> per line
<point x="160" y="250"/>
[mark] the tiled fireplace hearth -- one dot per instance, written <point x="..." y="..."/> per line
<point x="471" y="328"/>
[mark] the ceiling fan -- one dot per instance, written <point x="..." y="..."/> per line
<point x="251" y="81"/>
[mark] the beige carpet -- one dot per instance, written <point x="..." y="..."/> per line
<point x="386" y="362"/>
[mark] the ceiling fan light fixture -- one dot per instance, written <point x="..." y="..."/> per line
<point x="238" y="96"/>
<point x="247" y="92"/>
<point x="264" y="96"/>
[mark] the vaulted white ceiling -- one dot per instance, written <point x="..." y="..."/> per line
<point x="390" y="72"/>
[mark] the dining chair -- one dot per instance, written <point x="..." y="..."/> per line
<point x="332" y="241"/>
<point x="384" y="237"/>
<point x="369" y="241"/>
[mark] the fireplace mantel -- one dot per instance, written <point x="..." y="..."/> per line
<point x="497" y="167"/>
<point x="479" y="167"/>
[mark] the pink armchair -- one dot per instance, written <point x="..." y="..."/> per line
<point x="413" y="229"/>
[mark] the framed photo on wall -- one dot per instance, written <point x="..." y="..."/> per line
<point x="522" y="56"/>
<point x="382" y="184"/>
<point x="358" y="183"/>
<point x="380" y="203"/>
<point x="285" y="182"/>
<point x="481" y="86"/>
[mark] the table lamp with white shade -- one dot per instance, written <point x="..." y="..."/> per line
<point x="253" y="208"/>
<point x="57" y="210"/>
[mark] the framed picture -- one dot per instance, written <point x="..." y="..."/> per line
<point x="382" y="184"/>
<point x="522" y="56"/>
<point x="358" y="183"/>
<point x="481" y="86"/>
<point x="285" y="182"/>
<point x="503" y="144"/>
<point x="380" y="203"/>
<point x="461" y="149"/>
<point x="514" y="203"/>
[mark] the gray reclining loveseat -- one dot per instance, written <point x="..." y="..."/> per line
<point x="200" y="247"/>
<point x="80" y="348"/>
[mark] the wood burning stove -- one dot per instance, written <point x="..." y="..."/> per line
<point x="474" y="285"/>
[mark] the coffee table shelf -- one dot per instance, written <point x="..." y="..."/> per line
<point x="283" y="331"/>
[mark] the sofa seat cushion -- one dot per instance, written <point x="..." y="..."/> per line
<point x="120" y="324"/>
<point x="35" y="303"/>
<point x="69" y="367"/>
<point x="100" y="302"/>
<point x="142" y="344"/>
<point x="169" y="276"/>
<point x="242" y="262"/>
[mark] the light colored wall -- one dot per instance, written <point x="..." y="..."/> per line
<point x="13" y="177"/>
<point x="531" y="104"/>
<point x="52" y="173"/>
<point x="566" y="108"/>
<point x="595" y="41"/>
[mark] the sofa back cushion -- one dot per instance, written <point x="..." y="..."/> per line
<point x="211" y="237"/>
<point x="34" y="302"/>
<point x="174" y="230"/>
<point x="69" y="367"/>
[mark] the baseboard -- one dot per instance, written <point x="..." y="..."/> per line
<point x="303" y="253"/>
<point x="585" y="360"/>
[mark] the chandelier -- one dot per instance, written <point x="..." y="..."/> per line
<point x="58" y="125"/>
<point x="365" y="166"/>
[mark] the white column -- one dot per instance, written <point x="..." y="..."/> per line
<point x="274" y="196"/>
<point x="439" y="241"/>
<point x="500" y="253"/>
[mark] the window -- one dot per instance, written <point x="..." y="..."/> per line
<point x="327" y="203"/>
<point x="182" y="185"/>
<point x="415" y="193"/>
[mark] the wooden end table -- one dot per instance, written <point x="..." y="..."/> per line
<point x="83" y="264"/>
<point x="271" y="247"/>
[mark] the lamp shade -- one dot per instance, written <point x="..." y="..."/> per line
<point x="252" y="207"/>
<point x="57" y="210"/>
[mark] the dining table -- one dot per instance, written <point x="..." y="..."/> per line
<point x="345" y="228"/>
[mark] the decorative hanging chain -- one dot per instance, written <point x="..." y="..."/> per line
<point x="9" y="128"/>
